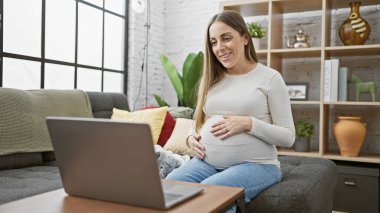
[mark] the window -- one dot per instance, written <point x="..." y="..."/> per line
<point x="70" y="44"/>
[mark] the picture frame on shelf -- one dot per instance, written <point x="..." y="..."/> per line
<point x="298" y="91"/>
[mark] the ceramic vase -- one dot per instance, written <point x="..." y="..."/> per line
<point x="355" y="29"/>
<point x="349" y="133"/>
<point x="256" y="43"/>
<point x="302" y="145"/>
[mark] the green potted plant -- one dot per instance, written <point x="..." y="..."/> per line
<point x="185" y="85"/>
<point x="256" y="31"/>
<point x="304" y="131"/>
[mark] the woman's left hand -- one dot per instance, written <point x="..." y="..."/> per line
<point x="231" y="125"/>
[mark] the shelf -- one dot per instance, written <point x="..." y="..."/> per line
<point x="262" y="53"/>
<point x="247" y="8"/>
<point x="305" y="102"/>
<point x="352" y="103"/>
<point x="369" y="49"/>
<point x="363" y="157"/>
<point x="345" y="4"/>
<point x="291" y="152"/>
<point x="293" y="6"/>
<point x="299" y="52"/>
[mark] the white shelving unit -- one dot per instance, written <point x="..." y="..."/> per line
<point x="275" y="55"/>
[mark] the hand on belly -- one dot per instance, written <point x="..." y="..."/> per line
<point x="224" y="152"/>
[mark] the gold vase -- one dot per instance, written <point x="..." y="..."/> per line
<point x="349" y="133"/>
<point x="354" y="30"/>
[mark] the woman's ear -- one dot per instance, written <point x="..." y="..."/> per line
<point x="246" y="37"/>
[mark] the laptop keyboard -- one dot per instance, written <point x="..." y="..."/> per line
<point x="171" y="197"/>
<point x="167" y="187"/>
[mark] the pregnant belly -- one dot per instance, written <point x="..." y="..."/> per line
<point x="230" y="151"/>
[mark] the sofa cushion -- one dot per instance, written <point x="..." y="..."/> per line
<point x="167" y="128"/>
<point x="154" y="117"/>
<point x="20" y="183"/>
<point x="307" y="186"/>
<point x="177" y="141"/>
<point x="19" y="160"/>
<point x="102" y="103"/>
<point x="23" y="114"/>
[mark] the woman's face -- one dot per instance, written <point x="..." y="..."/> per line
<point x="227" y="45"/>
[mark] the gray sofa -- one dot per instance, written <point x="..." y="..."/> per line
<point x="307" y="184"/>
<point x="27" y="174"/>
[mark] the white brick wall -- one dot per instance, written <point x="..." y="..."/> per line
<point x="137" y="39"/>
<point x="177" y="28"/>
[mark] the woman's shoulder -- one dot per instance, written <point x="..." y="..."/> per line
<point x="267" y="71"/>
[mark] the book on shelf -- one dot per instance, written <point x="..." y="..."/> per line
<point x="334" y="79"/>
<point x="330" y="87"/>
<point x="342" y="84"/>
<point x="327" y="81"/>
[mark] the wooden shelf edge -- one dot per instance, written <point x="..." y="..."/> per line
<point x="242" y="2"/>
<point x="363" y="157"/>
<point x="357" y="50"/>
<point x="262" y="51"/>
<point x="353" y="47"/>
<point x="292" y="50"/>
<point x="352" y="103"/>
<point x="298" y="52"/>
<point x="366" y="158"/>
<point x="305" y="102"/>
<point x="290" y="152"/>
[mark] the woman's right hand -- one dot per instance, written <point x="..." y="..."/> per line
<point x="196" y="146"/>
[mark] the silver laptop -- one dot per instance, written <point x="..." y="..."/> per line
<point x="113" y="161"/>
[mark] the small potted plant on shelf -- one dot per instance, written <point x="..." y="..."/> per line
<point x="256" y="31"/>
<point x="304" y="131"/>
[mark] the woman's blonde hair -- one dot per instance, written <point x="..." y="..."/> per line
<point x="213" y="70"/>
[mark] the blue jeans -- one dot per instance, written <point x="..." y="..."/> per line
<point x="253" y="177"/>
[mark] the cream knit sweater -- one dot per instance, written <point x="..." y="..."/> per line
<point x="260" y="94"/>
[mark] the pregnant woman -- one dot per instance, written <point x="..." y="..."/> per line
<point x="243" y="113"/>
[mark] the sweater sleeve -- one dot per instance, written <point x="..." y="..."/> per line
<point x="191" y="131"/>
<point x="281" y="131"/>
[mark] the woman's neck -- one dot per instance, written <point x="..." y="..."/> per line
<point x="242" y="69"/>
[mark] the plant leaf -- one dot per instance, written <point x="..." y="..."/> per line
<point x="256" y="30"/>
<point x="187" y="64"/>
<point x="192" y="72"/>
<point x="174" y="76"/>
<point x="160" y="101"/>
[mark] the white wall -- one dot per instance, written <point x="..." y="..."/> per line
<point x="177" y="28"/>
<point x="137" y="39"/>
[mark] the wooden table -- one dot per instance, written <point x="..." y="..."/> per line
<point x="212" y="199"/>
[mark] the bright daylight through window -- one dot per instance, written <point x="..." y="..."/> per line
<point x="70" y="44"/>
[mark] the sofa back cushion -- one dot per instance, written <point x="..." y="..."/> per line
<point x="102" y="103"/>
<point x="23" y="114"/>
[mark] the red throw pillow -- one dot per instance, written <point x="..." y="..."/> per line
<point x="167" y="128"/>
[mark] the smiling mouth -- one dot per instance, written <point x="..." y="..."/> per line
<point x="225" y="56"/>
